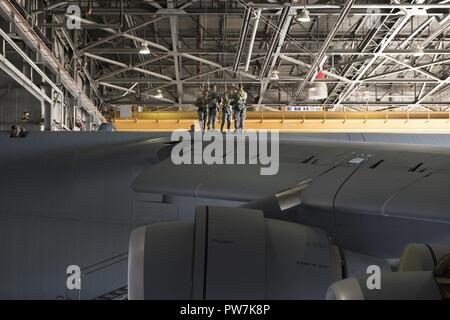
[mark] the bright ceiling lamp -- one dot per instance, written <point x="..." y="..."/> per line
<point x="144" y="49"/>
<point x="275" y="75"/>
<point x="418" y="51"/>
<point x="318" y="90"/>
<point x="417" y="11"/>
<point x="159" y="94"/>
<point x="303" y="16"/>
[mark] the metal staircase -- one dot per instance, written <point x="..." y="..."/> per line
<point x="118" y="294"/>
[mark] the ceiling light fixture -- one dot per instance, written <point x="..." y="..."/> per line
<point x="318" y="90"/>
<point x="275" y="75"/>
<point x="159" y="94"/>
<point x="303" y="16"/>
<point x="418" y="51"/>
<point x="144" y="49"/>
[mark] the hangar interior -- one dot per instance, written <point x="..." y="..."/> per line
<point x="142" y="64"/>
<point x="344" y="75"/>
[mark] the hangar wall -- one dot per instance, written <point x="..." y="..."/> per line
<point x="14" y="100"/>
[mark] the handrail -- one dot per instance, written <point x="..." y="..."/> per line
<point x="85" y="273"/>
<point x="299" y="121"/>
<point x="25" y="57"/>
<point x="267" y="116"/>
<point x="106" y="260"/>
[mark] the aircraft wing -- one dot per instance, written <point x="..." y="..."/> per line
<point x="391" y="179"/>
<point x="83" y="194"/>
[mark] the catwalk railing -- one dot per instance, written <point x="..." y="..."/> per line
<point x="387" y="121"/>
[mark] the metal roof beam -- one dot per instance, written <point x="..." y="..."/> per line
<point x="323" y="50"/>
<point x="123" y="65"/>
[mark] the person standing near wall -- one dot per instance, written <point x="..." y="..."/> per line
<point x="240" y="108"/>
<point x="202" y="106"/>
<point x="226" y="111"/>
<point x="213" y="108"/>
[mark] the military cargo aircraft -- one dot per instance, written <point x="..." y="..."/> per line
<point x="347" y="216"/>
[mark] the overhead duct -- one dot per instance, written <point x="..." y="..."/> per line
<point x="252" y="39"/>
<point x="243" y="37"/>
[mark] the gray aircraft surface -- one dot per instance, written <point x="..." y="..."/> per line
<point x="340" y="209"/>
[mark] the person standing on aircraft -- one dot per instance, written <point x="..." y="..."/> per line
<point x="233" y="99"/>
<point x="202" y="106"/>
<point x="213" y="108"/>
<point x="240" y="108"/>
<point x="226" y="111"/>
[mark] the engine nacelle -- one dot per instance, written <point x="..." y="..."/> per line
<point x="237" y="253"/>
<point x="393" y="286"/>
<point x="421" y="276"/>
<point x="422" y="257"/>
<point x="231" y="253"/>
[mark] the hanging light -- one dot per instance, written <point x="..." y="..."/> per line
<point x="159" y="94"/>
<point x="318" y="90"/>
<point x="275" y="75"/>
<point x="144" y="49"/>
<point x="418" y="51"/>
<point x="303" y="16"/>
